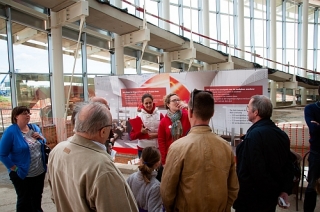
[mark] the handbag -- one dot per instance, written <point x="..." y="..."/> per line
<point x="47" y="149"/>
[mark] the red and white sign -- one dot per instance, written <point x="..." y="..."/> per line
<point x="233" y="94"/>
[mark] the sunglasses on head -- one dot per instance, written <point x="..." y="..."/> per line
<point x="194" y="93"/>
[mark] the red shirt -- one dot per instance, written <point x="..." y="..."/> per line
<point x="164" y="133"/>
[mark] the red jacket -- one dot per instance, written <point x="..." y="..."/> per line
<point x="136" y="134"/>
<point x="164" y="134"/>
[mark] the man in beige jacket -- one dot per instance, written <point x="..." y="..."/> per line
<point x="82" y="176"/>
<point x="200" y="170"/>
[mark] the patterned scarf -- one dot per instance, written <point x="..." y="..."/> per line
<point x="176" y="127"/>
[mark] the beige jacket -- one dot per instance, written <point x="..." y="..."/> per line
<point x="83" y="178"/>
<point x="199" y="174"/>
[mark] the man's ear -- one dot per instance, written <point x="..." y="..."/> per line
<point x="103" y="132"/>
<point x="190" y="113"/>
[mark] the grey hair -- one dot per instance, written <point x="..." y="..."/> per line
<point x="95" y="118"/>
<point x="263" y="105"/>
<point x="76" y="109"/>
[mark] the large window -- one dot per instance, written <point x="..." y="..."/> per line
<point x="30" y="53"/>
<point x="5" y="91"/>
<point x="174" y="17"/>
<point x="98" y="61"/>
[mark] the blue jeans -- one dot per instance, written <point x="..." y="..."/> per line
<point x="29" y="191"/>
<point x="310" y="199"/>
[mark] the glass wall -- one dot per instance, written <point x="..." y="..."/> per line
<point x="5" y="89"/>
<point x="31" y="69"/>
<point x="30" y="47"/>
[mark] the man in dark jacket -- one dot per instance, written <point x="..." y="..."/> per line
<point x="264" y="167"/>
<point x="312" y="117"/>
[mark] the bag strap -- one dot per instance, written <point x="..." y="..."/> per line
<point x="31" y="127"/>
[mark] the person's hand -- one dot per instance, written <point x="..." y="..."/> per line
<point x="144" y="130"/>
<point x="182" y="105"/>
<point x="36" y="135"/>
<point x="314" y="122"/>
<point x="285" y="197"/>
<point x="152" y="135"/>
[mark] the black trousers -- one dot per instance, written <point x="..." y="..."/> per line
<point x="310" y="199"/>
<point x="29" y="192"/>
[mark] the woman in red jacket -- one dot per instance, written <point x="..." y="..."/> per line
<point x="147" y="134"/>
<point x="174" y="125"/>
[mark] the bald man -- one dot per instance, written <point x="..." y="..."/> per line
<point x="101" y="100"/>
<point x="82" y="167"/>
<point x="76" y="110"/>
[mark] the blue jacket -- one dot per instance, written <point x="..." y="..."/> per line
<point x="14" y="150"/>
<point x="312" y="113"/>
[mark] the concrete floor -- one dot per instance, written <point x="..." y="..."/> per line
<point x="8" y="196"/>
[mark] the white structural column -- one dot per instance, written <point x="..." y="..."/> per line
<point x="119" y="52"/>
<point x="167" y="62"/>
<point x="118" y="3"/>
<point x="166" y="15"/>
<point x="241" y="28"/>
<point x="304" y="51"/>
<point x="57" y="82"/>
<point x="206" y="26"/>
<point x="273" y="50"/>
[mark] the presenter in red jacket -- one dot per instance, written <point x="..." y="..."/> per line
<point x="174" y="125"/>
<point x="147" y="134"/>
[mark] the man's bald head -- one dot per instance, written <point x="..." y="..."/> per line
<point x="91" y="118"/>
<point x="101" y="100"/>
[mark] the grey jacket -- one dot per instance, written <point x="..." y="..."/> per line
<point x="147" y="195"/>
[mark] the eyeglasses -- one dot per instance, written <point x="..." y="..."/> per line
<point x="175" y="100"/>
<point x="108" y="125"/>
<point x="26" y="113"/>
<point x="194" y="93"/>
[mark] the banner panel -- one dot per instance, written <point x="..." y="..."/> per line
<point x="232" y="90"/>
<point x="233" y="94"/>
<point x="131" y="97"/>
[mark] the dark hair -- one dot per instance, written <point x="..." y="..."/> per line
<point x="167" y="99"/>
<point x="146" y="95"/>
<point x="263" y="105"/>
<point x="17" y="111"/>
<point x="203" y="105"/>
<point x="150" y="156"/>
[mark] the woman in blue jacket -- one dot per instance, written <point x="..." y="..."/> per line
<point x="22" y="152"/>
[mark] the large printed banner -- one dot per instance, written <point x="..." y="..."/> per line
<point x="131" y="97"/>
<point x="232" y="90"/>
<point x="233" y="94"/>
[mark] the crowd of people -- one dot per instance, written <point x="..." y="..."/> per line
<point x="184" y="166"/>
